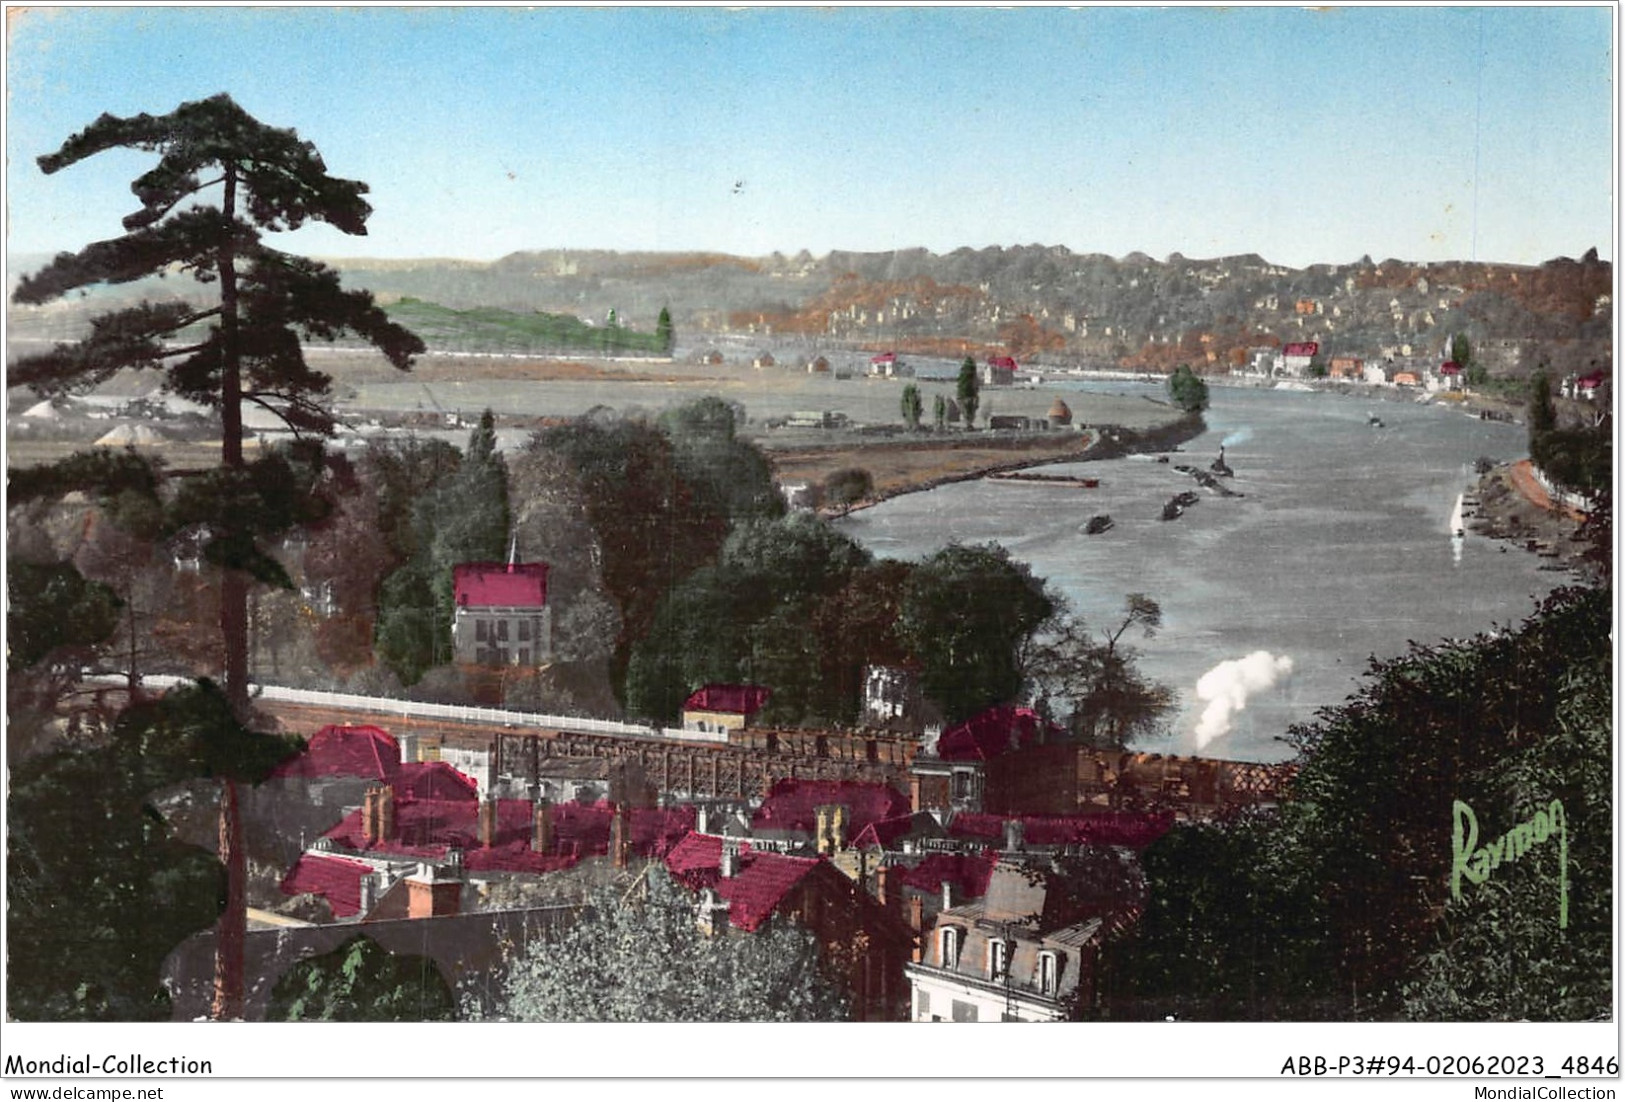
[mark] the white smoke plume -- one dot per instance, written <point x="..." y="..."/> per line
<point x="1240" y="436"/>
<point x="1227" y="686"/>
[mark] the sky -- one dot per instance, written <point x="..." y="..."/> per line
<point x="1304" y="135"/>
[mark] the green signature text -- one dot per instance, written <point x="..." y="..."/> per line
<point x="1476" y="862"/>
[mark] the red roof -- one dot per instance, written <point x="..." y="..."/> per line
<point x="1301" y="348"/>
<point x="1004" y="363"/>
<point x="967" y="872"/>
<point x="743" y="700"/>
<point x="345" y="751"/>
<point x="791" y="805"/>
<point x="762" y="882"/>
<point x="1108" y="828"/>
<point x="883" y="833"/>
<point x="336" y="879"/>
<point x="994" y="732"/>
<point x="500" y="585"/>
<point x="884" y="358"/>
<point x="1592" y="381"/>
<point x="434" y="780"/>
<point x="1450" y="367"/>
<point x="426" y="829"/>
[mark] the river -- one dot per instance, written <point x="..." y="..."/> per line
<point x="1342" y="548"/>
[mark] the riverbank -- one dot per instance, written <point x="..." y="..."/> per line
<point x="1511" y="507"/>
<point x="908" y="468"/>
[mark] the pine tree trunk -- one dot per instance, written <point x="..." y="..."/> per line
<point x="232" y="932"/>
<point x="233" y="928"/>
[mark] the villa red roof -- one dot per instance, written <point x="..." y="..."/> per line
<point x="426" y="828"/>
<point x="763" y="881"/>
<point x="336" y="879"/>
<point x="1300" y="348"/>
<point x="1592" y="381"/>
<point x="346" y="751"/>
<point x="1450" y="367"/>
<point x="434" y="780"/>
<point x="1003" y="363"/>
<point x="1108" y="828"/>
<point x="967" y="872"/>
<point x="743" y="700"/>
<point x="792" y="804"/>
<point x="884" y="358"/>
<point x="500" y="585"/>
<point x="996" y="731"/>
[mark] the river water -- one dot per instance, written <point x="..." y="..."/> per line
<point x="1342" y="548"/>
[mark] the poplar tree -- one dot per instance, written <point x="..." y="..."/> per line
<point x="968" y="390"/>
<point x="223" y="180"/>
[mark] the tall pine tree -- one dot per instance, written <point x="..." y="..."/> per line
<point x="223" y="179"/>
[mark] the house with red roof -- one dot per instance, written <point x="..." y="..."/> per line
<point x="825" y="816"/>
<point x="885" y="365"/>
<point x="718" y="707"/>
<point x="951" y="775"/>
<point x="1448" y="377"/>
<point x="863" y="942"/>
<point x="999" y="371"/>
<point x="500" y="614"/>
<point x="430" y="821"/>
<point x="1296" y="357"/>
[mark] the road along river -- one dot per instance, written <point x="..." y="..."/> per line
<point x="1341" y="548"/>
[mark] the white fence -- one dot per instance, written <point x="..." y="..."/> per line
<point x="458" y="713"/>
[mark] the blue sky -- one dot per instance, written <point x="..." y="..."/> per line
<point x="1423" y="133"/>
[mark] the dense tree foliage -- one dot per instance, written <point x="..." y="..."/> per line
<point x="628" y="958"/>
<point x="1187" y="389"/>
<point x="98" y="892"/>
<point x="913" y="407"/>
<point x="745" y="619"/>
<point x="1579" y="457"/>
<point x="665" y="335"/>
<point x="968" y="389"/>
<point x="51" y="608"/>
<point x="1089" y="682"/>
<point x="361" y="981"/>
<point x="436" y="509"/>
<point x="1358" y="877"/>
<point x="967" y="615"/>
<point x="848" y="486"/>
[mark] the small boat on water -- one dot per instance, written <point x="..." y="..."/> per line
<point x="1220" y="467"/>
<point x="1374" y="421"/>
<point x="1099" y="523"/>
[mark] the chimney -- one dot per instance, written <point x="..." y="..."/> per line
<point x="429" y="894"/>
<point x="541" y="838"/>
<point x="620" y="838"/>
<point x="914" y="792"/>
<point x="1015" y="832"/>
<point x="884" y="892"/>
<point x="513" y="552"/>
<point x="369" y="893"/>
<point x="821" y="829"/>
<point x="702" y="820"/>
<point x="488" y="822"/>
<point x="728" y="864"/>
<point x="947" y="894"/>
<point x="837" y="828"/>
<point x="378" y="813"/>
<point x="916" y="921"/>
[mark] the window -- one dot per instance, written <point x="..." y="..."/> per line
<point x="524" y="656"/>
<point x="998" y="959"/>
<point x="948" y="952"/>
<point x="481" y="631"/>
<point x="524" y="631"/>
<point x="922" y="1006"/>
<point x="964" y="1012"/>
<point x="1048" y="972"/>
<point x="502" y="630"/>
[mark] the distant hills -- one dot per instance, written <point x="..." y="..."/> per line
<point x="1042" y="303"/>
